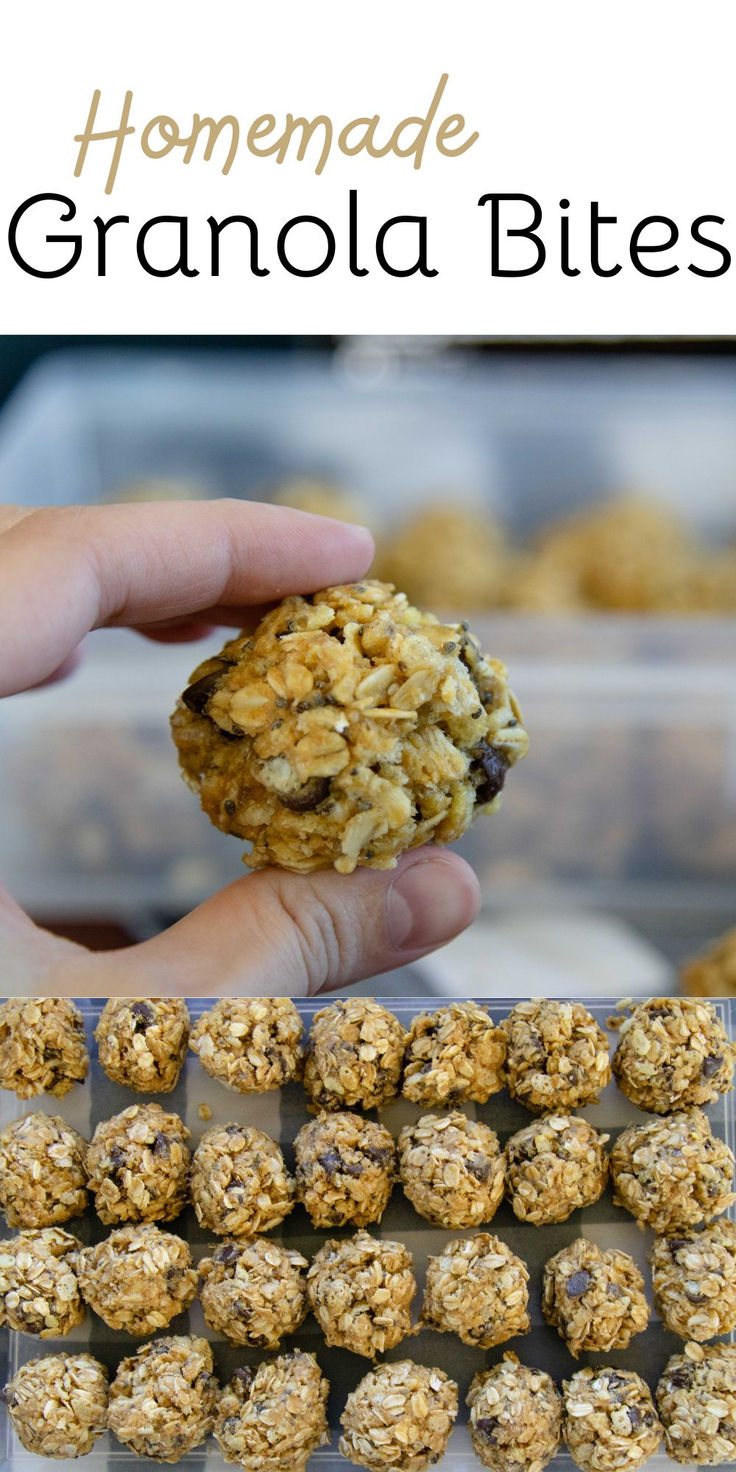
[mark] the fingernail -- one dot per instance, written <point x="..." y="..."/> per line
<point x="429" y="903"/>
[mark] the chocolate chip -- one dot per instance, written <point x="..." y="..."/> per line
<point x="634" y="1416"/>
<point x="486" y="1428"/>
<point x="331" y="1162"/>
<point x="243" y="1310"/>
<point x="380" y="1155"/>
<point x="711" y="1065"/>
<point x="143" y="1015"/>
<point x="675" y="1243"/>
<point x="228" y="1253"/>
<point x="614" y="1291"/>
<point x="244" y="1376"/>
<point x="161" y="1144"/>
<point x="117" y="1157"/>
<point x="681" y="1378"/>
<point x="696" y="1297"/>
<point x="308" y="797"/>
<point x="578" y="1284"/>
<point x="196" y="696"/>
<point x="493" y="765"/>
<point x="229" y="806"/>
<point x="480" y="1167"/>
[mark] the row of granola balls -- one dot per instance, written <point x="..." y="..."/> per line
<point x="673" y="1052"/>
<point x="165" y="1400"/>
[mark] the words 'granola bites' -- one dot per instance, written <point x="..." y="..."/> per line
<point x="672" y="1172"/>
<point x="361" y="1292"/>
<point x="694" y="1280"/>
<point x="254" y="1292"/>
<point x="42" y="1046"/>
<point x="138" y="1278"/>
<point x="454" y="1054"/>
<point x="515" y="1417"/>
<point x="163" y="1399"/>
<point x="400" y="1416"/>
<point x="673" y="1052"/>
<point x="477" y="1288"/>
<point x="240" y="1184"/>
<point x="345" y="1170"/>
<point x="557" y="1055"/>
<point x="555" y="1166"/>
<point x="354" y="1056"/>
<point x="39" y="1288"/>
<point x="594" y="1299"/>
<point x="138" y="1164"/>
<point x="43" y="1172"/>
<point x="142" y="1042"/>
<point x="696" y="1397"/>
<point x="452" y="1169"/>
<point x="271" y="1418"/>
<point x="609" y="1420"/>
<point x="348" y="728"/>
<point x="58" y="1404"/>
<point x="252" y="1044"/>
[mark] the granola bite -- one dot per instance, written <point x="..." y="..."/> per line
<point x="399" y="1416"/>
<point x="557" y="1055"/>
<point x="240" y="1184"/>
<point x="252" y="1044"/>
<point x="271" y="1418"/>
<point x="448" y="556"/>
<point x="361" y="1292"/>
<point x="138" y="1164"/>
<point x="673" y="1052"/>
<point x="454" y="1054"/>
<point x="694" y="1280"/>
<point x="43" y="1173"/>
<point x="142" y="1042"/>
<point x="163" y="1399"/>
<point x="254" y="1292"/>
<point x="58" y="1404"/>
<point x="673" y="1172"/>
<point x="609" y="1420"/>
<point x="138" y="1278"/>
<point x="345" y="1170"/>
<point x="39" y="1291"/>
<point x="594" y="1299"/>
<point x="348" y="728"/>
<point x="554" y="1166"/>
<point x="515" y="1417"/>
<point x="452" y="1169"/>
<point x="696" y="1397"/>
<point x="476" y="1288"/>
<point x="714" y="973"/>
<point x="354" y="1056"/>
<point x="42" y="1046"/>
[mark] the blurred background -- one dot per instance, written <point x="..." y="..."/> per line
<point x="577" y="501"/>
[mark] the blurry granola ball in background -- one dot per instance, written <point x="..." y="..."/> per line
<point x="447" y="556"/>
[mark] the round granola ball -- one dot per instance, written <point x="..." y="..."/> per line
<point x="557" y="1055"/>
<point x="272" y="1417"/>
<point x="142" y="1042"/>
<point x="345" y="1170"/>
<point x="42" y="1046"/>
<point x="39" y="1291"/>
<point x="694" y="1280"/>
<point x="354" y="1056"/>
<point x="138" y="1164"/>
<point x="251" y="1044"/>
<point x="448" y="555"/>
<point x="476" y="1288"/>
<point x="348" y="728"/>
<point x="361" y="1292"/>
<point x="138" y="1278"/>
<point x="240" y="1184"/>
<point x="452" y="1169"/>
<point x="609" y="1420"/>
<point x="43" y="1174"/>
<point x="400" y="1415"/>
<point x="673" y="1172"/>
<point x="452" y="1055"/>
<point x="594" y="1299"/>
<point x="254" y="1292"/>
<point x="58" y="1404"/>
<point x="713" y="974"/>
<point x="163" y="1399"/>
<point x="515" y="1417"/>
<point x="696" y="1397"/>
<point x="673" y="1052"/>
<point x="555" y="1166"/>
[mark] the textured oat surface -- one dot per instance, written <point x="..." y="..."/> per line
<point x="515" y="1417"/>
<point x="555" y="1166"/>
<point x="240" y="1185"/>
<point x="43" y="1174"/>
<point x="399" y="1416"/>
<point x="138" y="1278"/>
<point x="361" y="1292"/>
<point x="348" y="728"/>
<point x="609" y="1420"/>
<point x="454" y="1054"/>
<point x="254" y="1292"/>
<point x="42" y="1046"/>
<point x="58" y="1404"/>
<point x="452" y="1169"/>
<point x="252" y="1044"/>
<point x="345" y="1169"/>
<point x="673" y="1052"/>
<point x="594" y="1299"/>
<point x="673" y="1172"/>
<point x="142" y="1042"/>
<point x="138" y="1165"/>
<point x="694" y="1280"/>
<point x="162" y="1399"/>
<point x="477" y="1288"/>
<point x="354" y="1056"/>
<point x="39" y="1291"/>
<point x="713" y="974"/>
<point x="272" y="1418"/>
<point x="696" y="1397"/>
<point x="557" y="1055"/>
